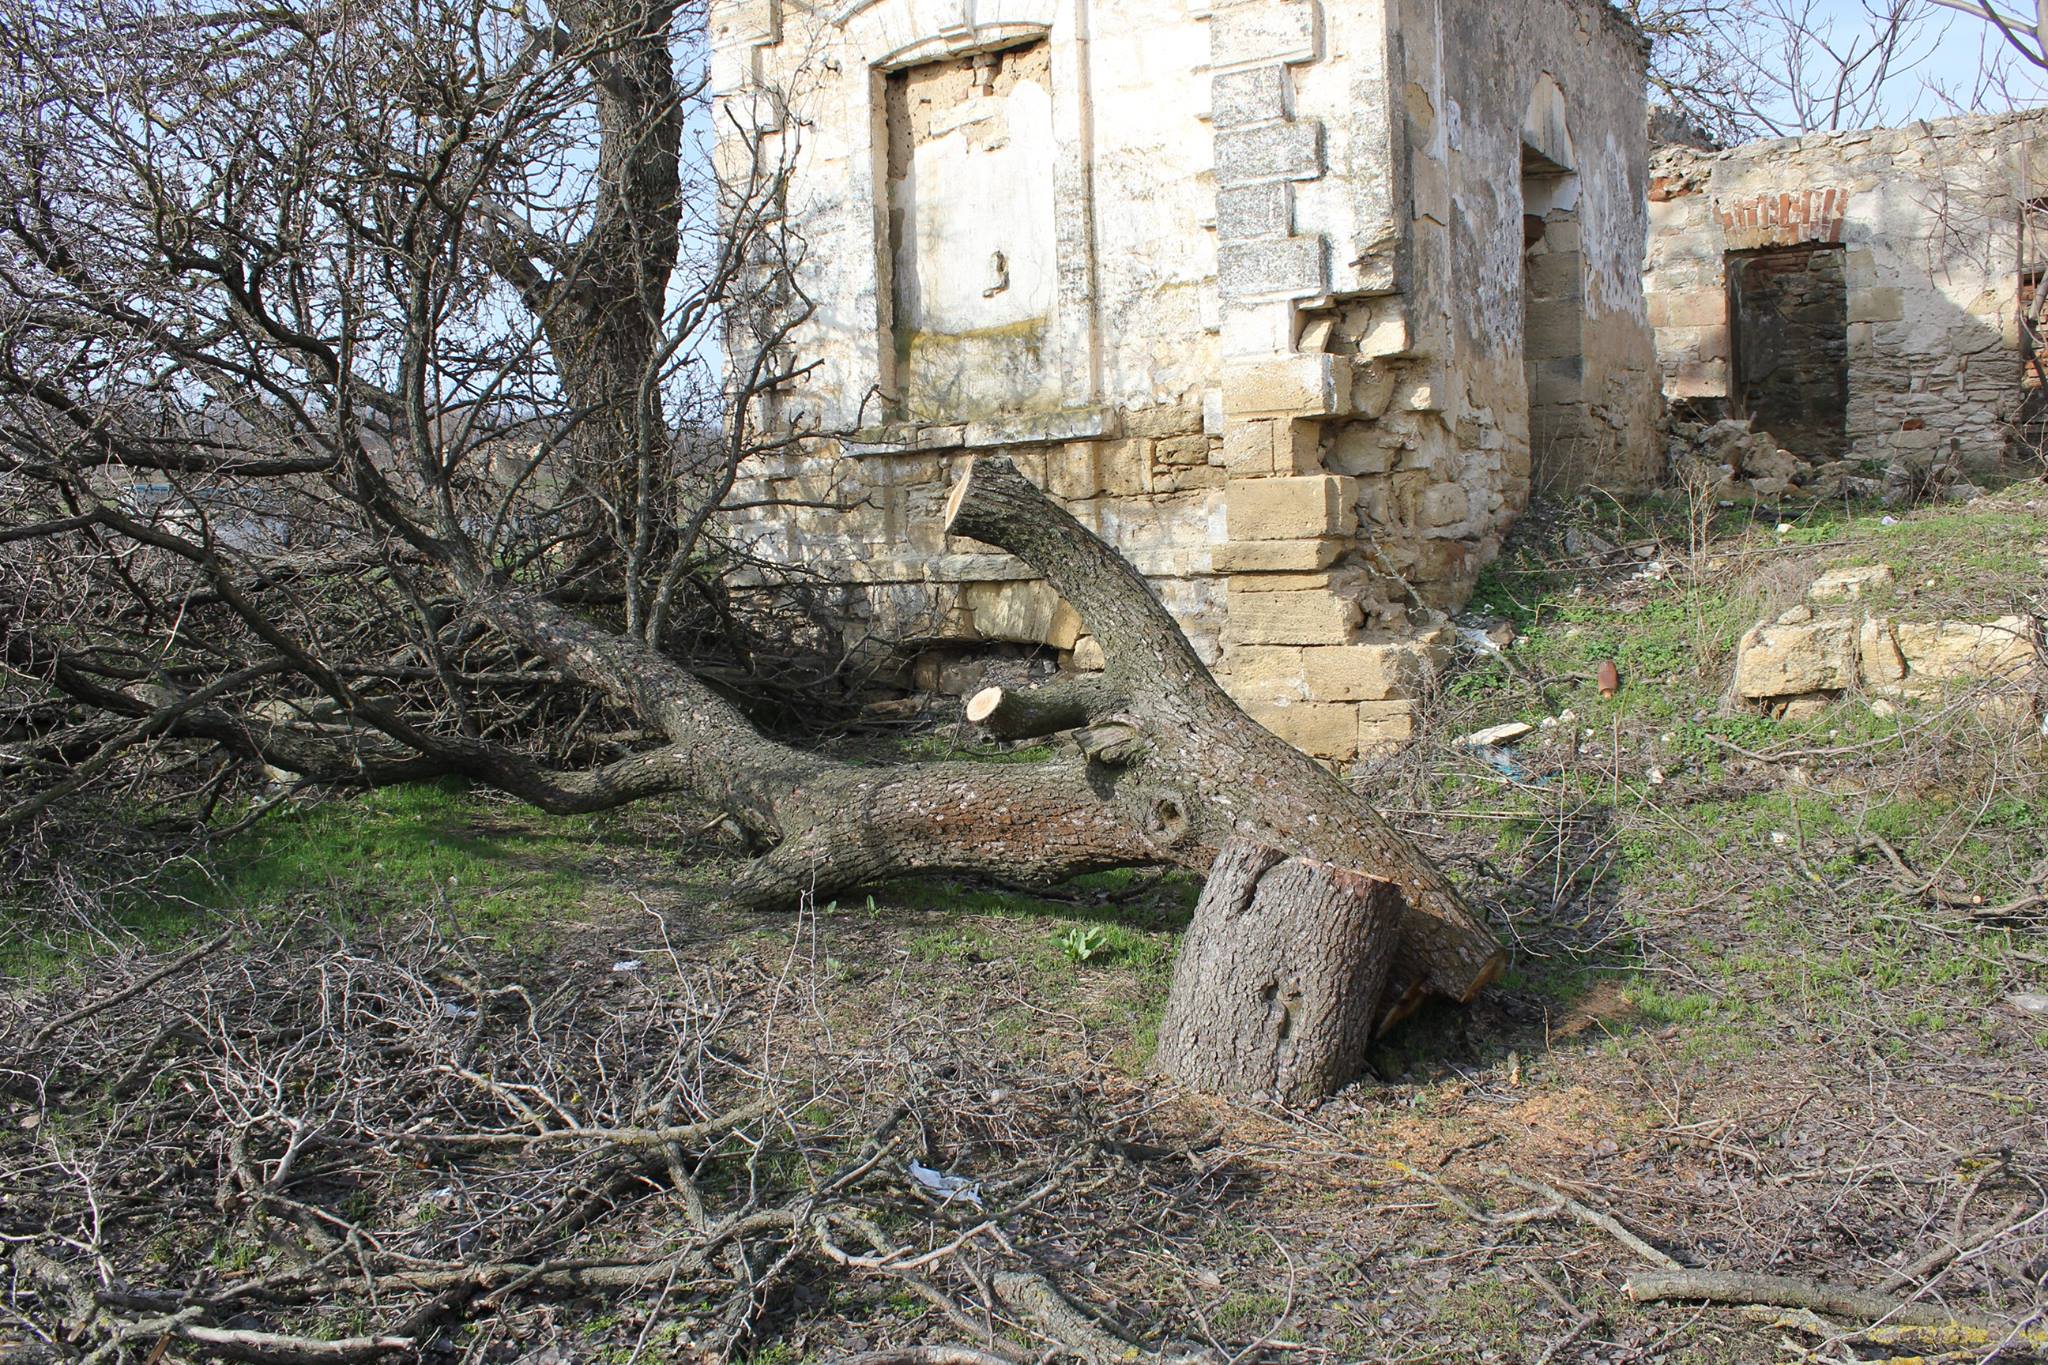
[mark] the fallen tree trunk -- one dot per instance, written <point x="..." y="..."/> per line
<point x="1191" y="763"/>
<point x="1172" y="770"/>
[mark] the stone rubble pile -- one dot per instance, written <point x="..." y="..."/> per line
<point x="1806" y="658"/>
<point x="1730" y="462"/>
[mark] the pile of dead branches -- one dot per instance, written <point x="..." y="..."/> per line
<point x="343" y="1151"/>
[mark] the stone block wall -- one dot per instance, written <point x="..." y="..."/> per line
<point x="1928" y="221"/>
<point x="1266" y="336"/>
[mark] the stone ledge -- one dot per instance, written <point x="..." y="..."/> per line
<point x="1023" y="429"/>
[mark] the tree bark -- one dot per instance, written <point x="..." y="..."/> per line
<point x="1282" y="980"/>
<point x="1210" y="774"/>
<point x="1278" y="984"/>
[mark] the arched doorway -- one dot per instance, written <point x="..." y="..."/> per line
<point x="1553" y="291"/>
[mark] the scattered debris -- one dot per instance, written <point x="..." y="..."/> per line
<point x="1583" y="543"/>
<point x="1492" y="735"/>
<point x="1732" y="463"/>
<point x="949" y="1187"/>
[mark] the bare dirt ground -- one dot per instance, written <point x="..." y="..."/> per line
<point x="459" y="1083"/>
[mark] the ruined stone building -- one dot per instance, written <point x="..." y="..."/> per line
<point x="1291" y="301"/>
<point x="1858" y="295"/>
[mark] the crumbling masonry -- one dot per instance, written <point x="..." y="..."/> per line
<point x="1291" y="302"/>
<point x="1863" y="297"/>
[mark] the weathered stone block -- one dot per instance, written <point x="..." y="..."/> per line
<point x="1025" y="613"/>
<point x="745" y="22"/>
<point x="1319" y="580"/>
<point x="1291" y="618"/>
<point x="1300" y="385"/>
<point x="1850" y="585"/>
<point x="1245" y="35"/>
<point x="1324" y="729"/>
<point x="1250" y="212"/>
<point x="1555" y="327"/>
<point x="1301" y="508"/>
<point x="1254" y="330"/>
<point x="1362" y="449"/>
<point x="1269" y="151"/>
<point x="1266" y="446"/>
<point x="1792" y="658"/>
<point x="1878" y="653"/>
<point x="1372" y="387"/>
<point x="1276" y="556"/>
<point x="1938" y="652"/>
<point x="1263" y="673"/>
<point x="1387" y="334"/>
<point x="1384" y="726"/>
<point x="1283" y="268"/>
<point x="1256" y="94"/>
<point x="1167" y="420"/>
<point x="1556" y="275"/>
<point x="1071" y="474"/>
<point x="1183" y="478"/>
<point x="1877" y="305"/>
<point x="1090" y="469"/>
<point x="1366" y="672"/>
<point x="1444" y="505"/>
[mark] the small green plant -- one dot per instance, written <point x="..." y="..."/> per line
<point x="1084" y="941"/>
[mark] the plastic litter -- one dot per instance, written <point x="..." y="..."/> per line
<point x="948" y="1187"/>
<point x="1477" y="639"/>
<point x="631" y="964"/>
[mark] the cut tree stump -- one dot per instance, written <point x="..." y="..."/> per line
<point x="1278" y="985"/>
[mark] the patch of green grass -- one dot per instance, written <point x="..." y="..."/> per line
<point x="490" y="867"/>
<point x="1492" y="1311"/>
<point x="954" y="942"/>
<point x="1248" y="1312"/>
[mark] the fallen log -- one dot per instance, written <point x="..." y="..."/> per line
<point x="1170" y="771"/>
<point x="1209" y="773"/>
<point x="1789" y="1291"/>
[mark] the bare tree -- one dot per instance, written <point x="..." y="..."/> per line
<point x="2024" y="34"/>
<point x="1809" y="69"/>
<point x="359" y="380"/>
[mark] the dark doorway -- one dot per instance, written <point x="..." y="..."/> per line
<point x="1788" y="311"/>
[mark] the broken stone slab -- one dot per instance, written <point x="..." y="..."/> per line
<point x="1850" y="585"/>
<point x="1028" y="612"/>
<point x="1799" y="662"/>
<point x="1493" y="735"/>
<point x="1937" y="653"/>
<point x="1806" y="707"/>
<point x="1796" y="657"/>
<point x="1324" y="729"/>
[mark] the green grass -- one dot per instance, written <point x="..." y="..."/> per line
<point x="1855" y="955"/>
<point x="489" y="867"/>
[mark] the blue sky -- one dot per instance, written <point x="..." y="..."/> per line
<point x="1955" y="53"/>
